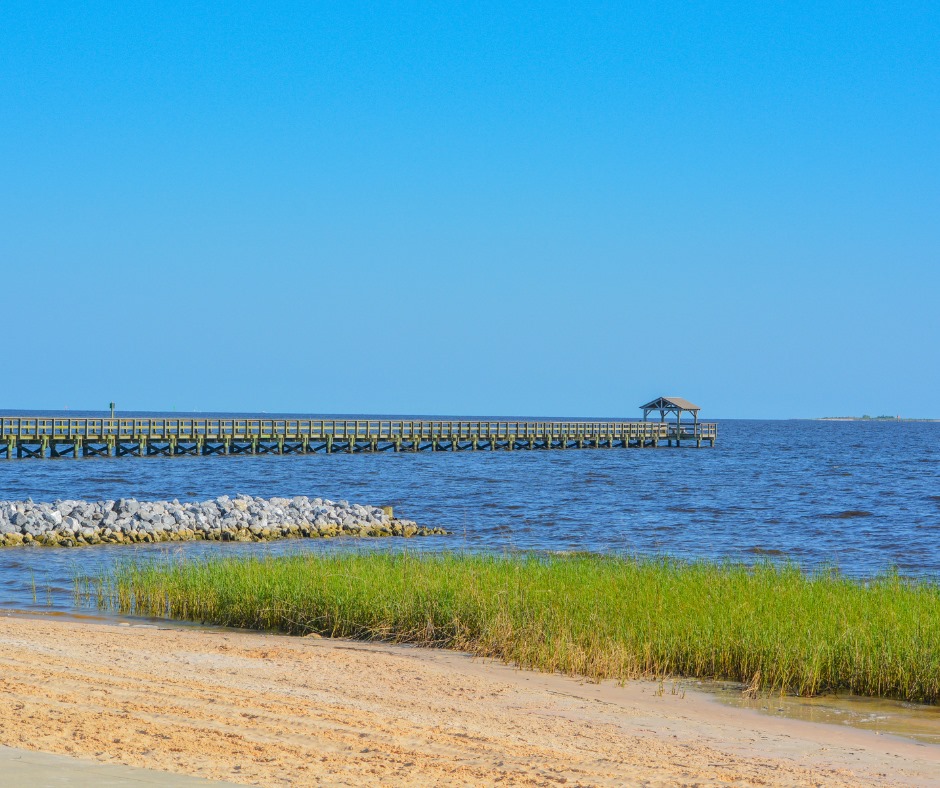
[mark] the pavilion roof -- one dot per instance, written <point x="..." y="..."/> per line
<point x="670" y="403"/>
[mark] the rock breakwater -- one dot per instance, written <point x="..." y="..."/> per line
<point x="239" y="519"/>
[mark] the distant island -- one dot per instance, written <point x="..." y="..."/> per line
<point x="866" y="417"/>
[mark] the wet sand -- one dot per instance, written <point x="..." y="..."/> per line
<point x="273" y="710"/>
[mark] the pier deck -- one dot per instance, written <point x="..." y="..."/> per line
<point x="29" y="436"/>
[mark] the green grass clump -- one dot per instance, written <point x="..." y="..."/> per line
<point x="588" y="615"/>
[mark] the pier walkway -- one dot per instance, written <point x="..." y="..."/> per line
<point x="32" y="436"/>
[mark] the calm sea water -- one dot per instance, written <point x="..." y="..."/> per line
<point x="859" y="495"/>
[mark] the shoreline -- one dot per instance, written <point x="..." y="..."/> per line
<point x="881" y="716"/>
<point x="768" y="626"/>
<point x="275" y="709"/>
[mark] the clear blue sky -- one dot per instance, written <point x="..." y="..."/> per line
<point x="498" y="208"/>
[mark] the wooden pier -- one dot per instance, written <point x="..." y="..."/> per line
<point x="32" y="436"/>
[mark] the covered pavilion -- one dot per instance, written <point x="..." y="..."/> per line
<point x="675" y="405"/>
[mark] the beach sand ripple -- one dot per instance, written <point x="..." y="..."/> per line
<point x="275" y="710"/>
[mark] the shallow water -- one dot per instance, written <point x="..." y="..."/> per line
<point x="880" y="715"/>
<point x="859" y="495"/>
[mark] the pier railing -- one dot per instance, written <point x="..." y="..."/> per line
<point x="32" y="436"/>
<point x="25" y="427"/>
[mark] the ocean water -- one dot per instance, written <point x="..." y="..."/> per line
<point x="863" y="496"/>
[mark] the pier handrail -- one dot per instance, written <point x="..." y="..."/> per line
<point x="163" y="428"/>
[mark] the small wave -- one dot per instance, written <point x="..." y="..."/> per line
<point x="763" y="551"/>
<point x="849" y="514"/>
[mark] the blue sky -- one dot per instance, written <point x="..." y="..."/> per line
<point x="499" y="208"/>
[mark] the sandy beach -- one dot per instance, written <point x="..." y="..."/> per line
<point x="273" y="710"/>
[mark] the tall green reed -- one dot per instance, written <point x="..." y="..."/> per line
<point x="596" y="616"/>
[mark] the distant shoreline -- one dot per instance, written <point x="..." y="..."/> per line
<point x="871" y="418"/>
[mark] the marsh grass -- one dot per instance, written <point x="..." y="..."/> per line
<point x="769" y="626"/>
